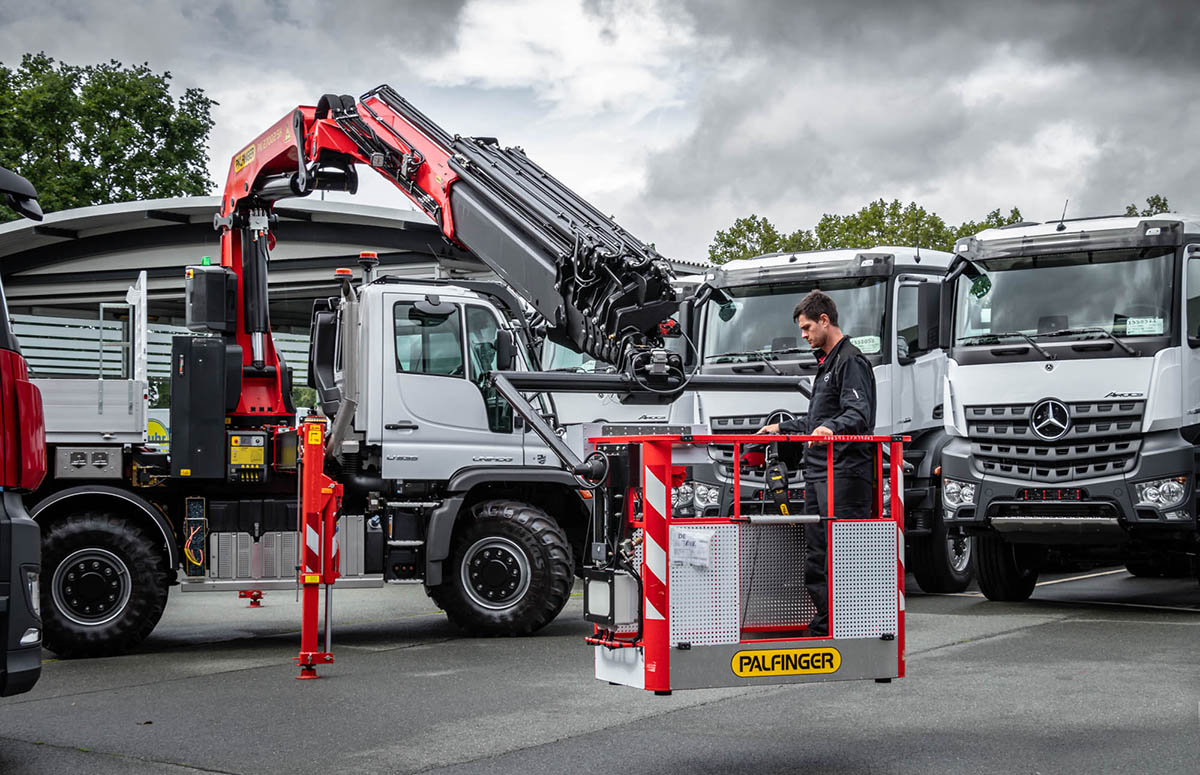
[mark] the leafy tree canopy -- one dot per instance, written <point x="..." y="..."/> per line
<point x="878" y="223"/>
<point x="88" y="135"/>
<point x="1154" y="205"/>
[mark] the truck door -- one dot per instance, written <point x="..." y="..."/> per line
<point x="1191" y="336"/>
<point x="916" y="374"/>
<point x="435" y="415"/>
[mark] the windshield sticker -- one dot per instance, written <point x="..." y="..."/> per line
<point x="868" y="344"/>
<point x="981" y="287"/>
<point x="1143" y="326"/>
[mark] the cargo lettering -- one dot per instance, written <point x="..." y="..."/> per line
<point x="776" y="662"/>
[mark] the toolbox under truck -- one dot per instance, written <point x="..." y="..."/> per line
<point x="1073" y="395"/>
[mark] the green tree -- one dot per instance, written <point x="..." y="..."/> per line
<point x="102" y="133"/>
<point x="883" y="223"/>
<point x="756" y="236"/>
<point x="878" y="223"/>
<point x="1155" y="204"/>
<point x="992" y="220"/>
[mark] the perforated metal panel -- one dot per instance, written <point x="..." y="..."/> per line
<point x="704" y="600"/>
<point x="864" y="579"/>
<point x="772" y="580"/>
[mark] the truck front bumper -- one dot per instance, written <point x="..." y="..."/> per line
<point x="20" y="626"/>
<point x="1101" y="511"/>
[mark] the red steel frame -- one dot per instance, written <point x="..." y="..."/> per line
<point x="320" y="499"/>
<point x="657" y="476"/>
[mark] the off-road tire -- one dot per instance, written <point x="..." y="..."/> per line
<point x="1006" y="572"/>
<point x="504" y="528"/>
<point x="114" y="543"/>
<point x="932" y="561"/>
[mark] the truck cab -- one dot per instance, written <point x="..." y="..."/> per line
<point x="1072" y="394"/>
<point x="887" y="303"/>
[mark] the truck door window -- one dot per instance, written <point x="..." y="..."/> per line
<point x="906" y="322"/>
<point x="482" y="327"/>
<point x="1193" y="301"/>
<point x="428" y="344"/>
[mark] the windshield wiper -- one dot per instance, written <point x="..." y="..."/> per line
<point x="981" y="338"/>
<point x="759" y="354"/>
<point x="1094" y="330"/>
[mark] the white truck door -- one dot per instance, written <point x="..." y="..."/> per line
<point x="916" y="375"/>
<point x="435" y="419"/>
<point x="1191" y="336"/>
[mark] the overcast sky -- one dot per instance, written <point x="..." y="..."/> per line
<point x="679" y="116"/>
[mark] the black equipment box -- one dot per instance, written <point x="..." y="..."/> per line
<point x="210" y="296"/>
<point x="200" y="379"/>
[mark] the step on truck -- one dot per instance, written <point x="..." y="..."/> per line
<point x="887" y="299"/>
<point x="437" y="429"/>
<point x="1073" y="395"/>
<point x="22" y="467"/>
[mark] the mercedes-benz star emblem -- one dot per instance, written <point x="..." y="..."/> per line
<point x="1050" y="419"/>
<point x="777" y="417"/>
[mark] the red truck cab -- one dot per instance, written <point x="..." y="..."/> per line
<point x="22" y="467"/>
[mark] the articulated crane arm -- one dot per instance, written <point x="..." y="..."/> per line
<point x="602" y="290"/>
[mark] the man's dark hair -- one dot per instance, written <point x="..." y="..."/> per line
<point x="813" y="306"/>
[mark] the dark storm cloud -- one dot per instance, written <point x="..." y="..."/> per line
<point x="883" y="99"/>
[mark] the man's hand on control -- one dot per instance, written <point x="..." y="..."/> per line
<point x="820" y="430"/>
<point x="772" y="429"/>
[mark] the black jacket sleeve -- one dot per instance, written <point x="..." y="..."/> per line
<point x="798" y="426"/>
<point x="857" y="400"/>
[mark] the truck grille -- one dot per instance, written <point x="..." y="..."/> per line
<point x="1103" y="440"/>
<point x="742" y="425"/>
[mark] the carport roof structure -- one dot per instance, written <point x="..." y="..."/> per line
<point x="75" y="259"/>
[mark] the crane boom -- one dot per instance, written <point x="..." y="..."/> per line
<point x="601" y="290"/>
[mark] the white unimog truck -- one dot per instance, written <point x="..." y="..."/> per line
<point x="1073" y="395"/>
<point x="886" y="298"/>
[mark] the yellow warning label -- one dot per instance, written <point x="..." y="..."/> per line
<point x="314" y="434"/>
<point x="243" y="158"/>
<point x="246" y="456"/>
<point x="235" y="441"/>
<point x="776" y="662"/>
<point x="185" y="472"/>
<point x="311" y="579"/>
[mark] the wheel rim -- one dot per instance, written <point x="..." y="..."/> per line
<point x="495" y="573"/>
<point x="91" y="586"/>
<point x="958" y="551"/>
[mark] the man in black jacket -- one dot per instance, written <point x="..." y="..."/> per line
<point x="843" y="403"/>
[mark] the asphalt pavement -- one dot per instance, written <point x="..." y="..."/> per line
<point x="1097" y="673"/>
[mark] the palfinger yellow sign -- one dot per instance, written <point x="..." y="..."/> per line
<point x="776" y="662"/>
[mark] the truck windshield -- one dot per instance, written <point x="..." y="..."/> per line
<point x="758" y="323"/>
<point x="1123" y="292"/>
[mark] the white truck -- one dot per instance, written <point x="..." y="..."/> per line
<point x="1073" y="395"/>
<point x="428" y="387"/>
<point x="887" y="300"/>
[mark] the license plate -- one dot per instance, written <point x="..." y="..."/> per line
<point x="1051" y="494"/>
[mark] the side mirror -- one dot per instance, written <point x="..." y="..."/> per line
<point x="929" y="316"/>
<point x="506" y="350"/>
<point x="431" y="310"/>
<point x="945" y="312"/>
<point x="20" y="194"/>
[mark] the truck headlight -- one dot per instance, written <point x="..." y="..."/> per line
<point x="1161" y="493"/>
<point x="695" y="497"/>
<point x="681" y="496"/>
<point x="705" y="496"/>
<point x="956" y="493"/>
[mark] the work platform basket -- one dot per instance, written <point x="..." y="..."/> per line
<point x="718" y="601"/>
